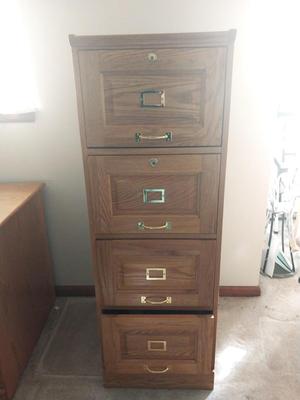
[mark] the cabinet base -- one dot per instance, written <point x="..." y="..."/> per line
<point x="204" y="382"/>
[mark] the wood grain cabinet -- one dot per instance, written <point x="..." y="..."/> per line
<point x="135" y="194"/>
<point x="142" y="272"/>
<point x="26" y="279"/>
<point x="154" y="114"/>
<point x="158" y="350"/>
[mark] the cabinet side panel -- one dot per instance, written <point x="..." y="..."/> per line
<point x="27" y="290"/>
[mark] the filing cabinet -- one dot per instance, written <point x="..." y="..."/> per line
<point x="154" y="115"/>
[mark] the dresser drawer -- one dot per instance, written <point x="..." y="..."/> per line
<point x="157" y="348"/>
<point x="156" y="273"/>
<point x="154" y="194"/>
<point x="159" y="97"/>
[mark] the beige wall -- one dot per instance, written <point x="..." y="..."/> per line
<point x="49" y="149"/>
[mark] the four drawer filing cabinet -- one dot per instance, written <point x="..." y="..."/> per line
<point x="154" y="113"/>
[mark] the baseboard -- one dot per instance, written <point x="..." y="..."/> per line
<point x="89" y="291"/>
<point x="239" y="291"/>
<point x="75" y="291"/>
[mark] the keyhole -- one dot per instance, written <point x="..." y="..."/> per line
<point x="152" y="57"/>
<point x="153" y="162"/>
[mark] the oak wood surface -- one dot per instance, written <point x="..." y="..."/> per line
<point x="226" y="116"/>
<point x="14" y="195"/>
<point x="188" y="346"/>
<point x="188" y="265"/>
<point x="192" y="81"/>
<point x="164" y="40"/>
<point x="159" y="150"/>
<point x="118" y="109"/>
<point x="3" y="395"/>
<point x="26" y="280"/>
<point x="240" y="291"/>
<point x="182" y="381"/>
<point x="191" y="193"/>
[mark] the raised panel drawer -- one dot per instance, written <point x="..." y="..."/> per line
<point x="158" y="348"/>
<point x="154" y="194"/>
<point x="156" y="273"/>
<point x="159" y="97"/>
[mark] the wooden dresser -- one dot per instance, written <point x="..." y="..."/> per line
<point x="26" y="279"/>
<point x="153" y="112"/>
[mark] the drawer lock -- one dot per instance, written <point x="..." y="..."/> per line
<point x="152" y="57"/>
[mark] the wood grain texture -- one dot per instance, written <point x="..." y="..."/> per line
<point x="3" y="395"/>
<point x="110" y="73"/>
<point x="26" y="281"/>
<point x="240" y="291"/>
<point x="148" y="151"/>
<point x="181" y="381"/>
<point x="192" y="81"/>
<point x="191" y="189"/>
<point x="226" y="116"/>
<point x="188" y="347"/>
<point x="14" y="195"/>
<point x="165" y="40"/>
<point x="189" y="272"/>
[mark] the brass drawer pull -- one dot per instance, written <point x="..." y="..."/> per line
<point x="157" y="371"/>
<point x="167" y="137"/>
<point x="141" y="226"/>
<point x="162" y="277"/>
<point x="160" y="92"/>
<point x="146" y="300"/>
<point x="157" y="345"/>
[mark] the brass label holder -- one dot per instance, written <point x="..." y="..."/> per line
<point x="159" y="92"/>
<point x="162" y="277"/>
<point x="146" y="192"/>
<point x="156" y="345"/>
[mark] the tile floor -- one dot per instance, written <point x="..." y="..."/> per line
<point x="258" y="352"/>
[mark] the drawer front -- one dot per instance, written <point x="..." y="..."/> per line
<point x="158" y="346"/>
<point x="156" y="273"/>
<point x="159" y="97"/>
<point x="154" y="194"/>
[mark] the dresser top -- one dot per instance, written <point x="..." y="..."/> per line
<point x="14" y="195"/>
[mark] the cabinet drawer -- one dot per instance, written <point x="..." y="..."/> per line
<point x="159" y="97"/>
<point x="156" y="273"/>
<point x="154" y="194"/>
<point x="157" y="348"/>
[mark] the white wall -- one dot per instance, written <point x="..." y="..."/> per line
<point x="49" y="149"/>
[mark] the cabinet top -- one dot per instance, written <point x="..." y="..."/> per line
<point x="15" y="195"/>
<point x="161" y="40"/>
